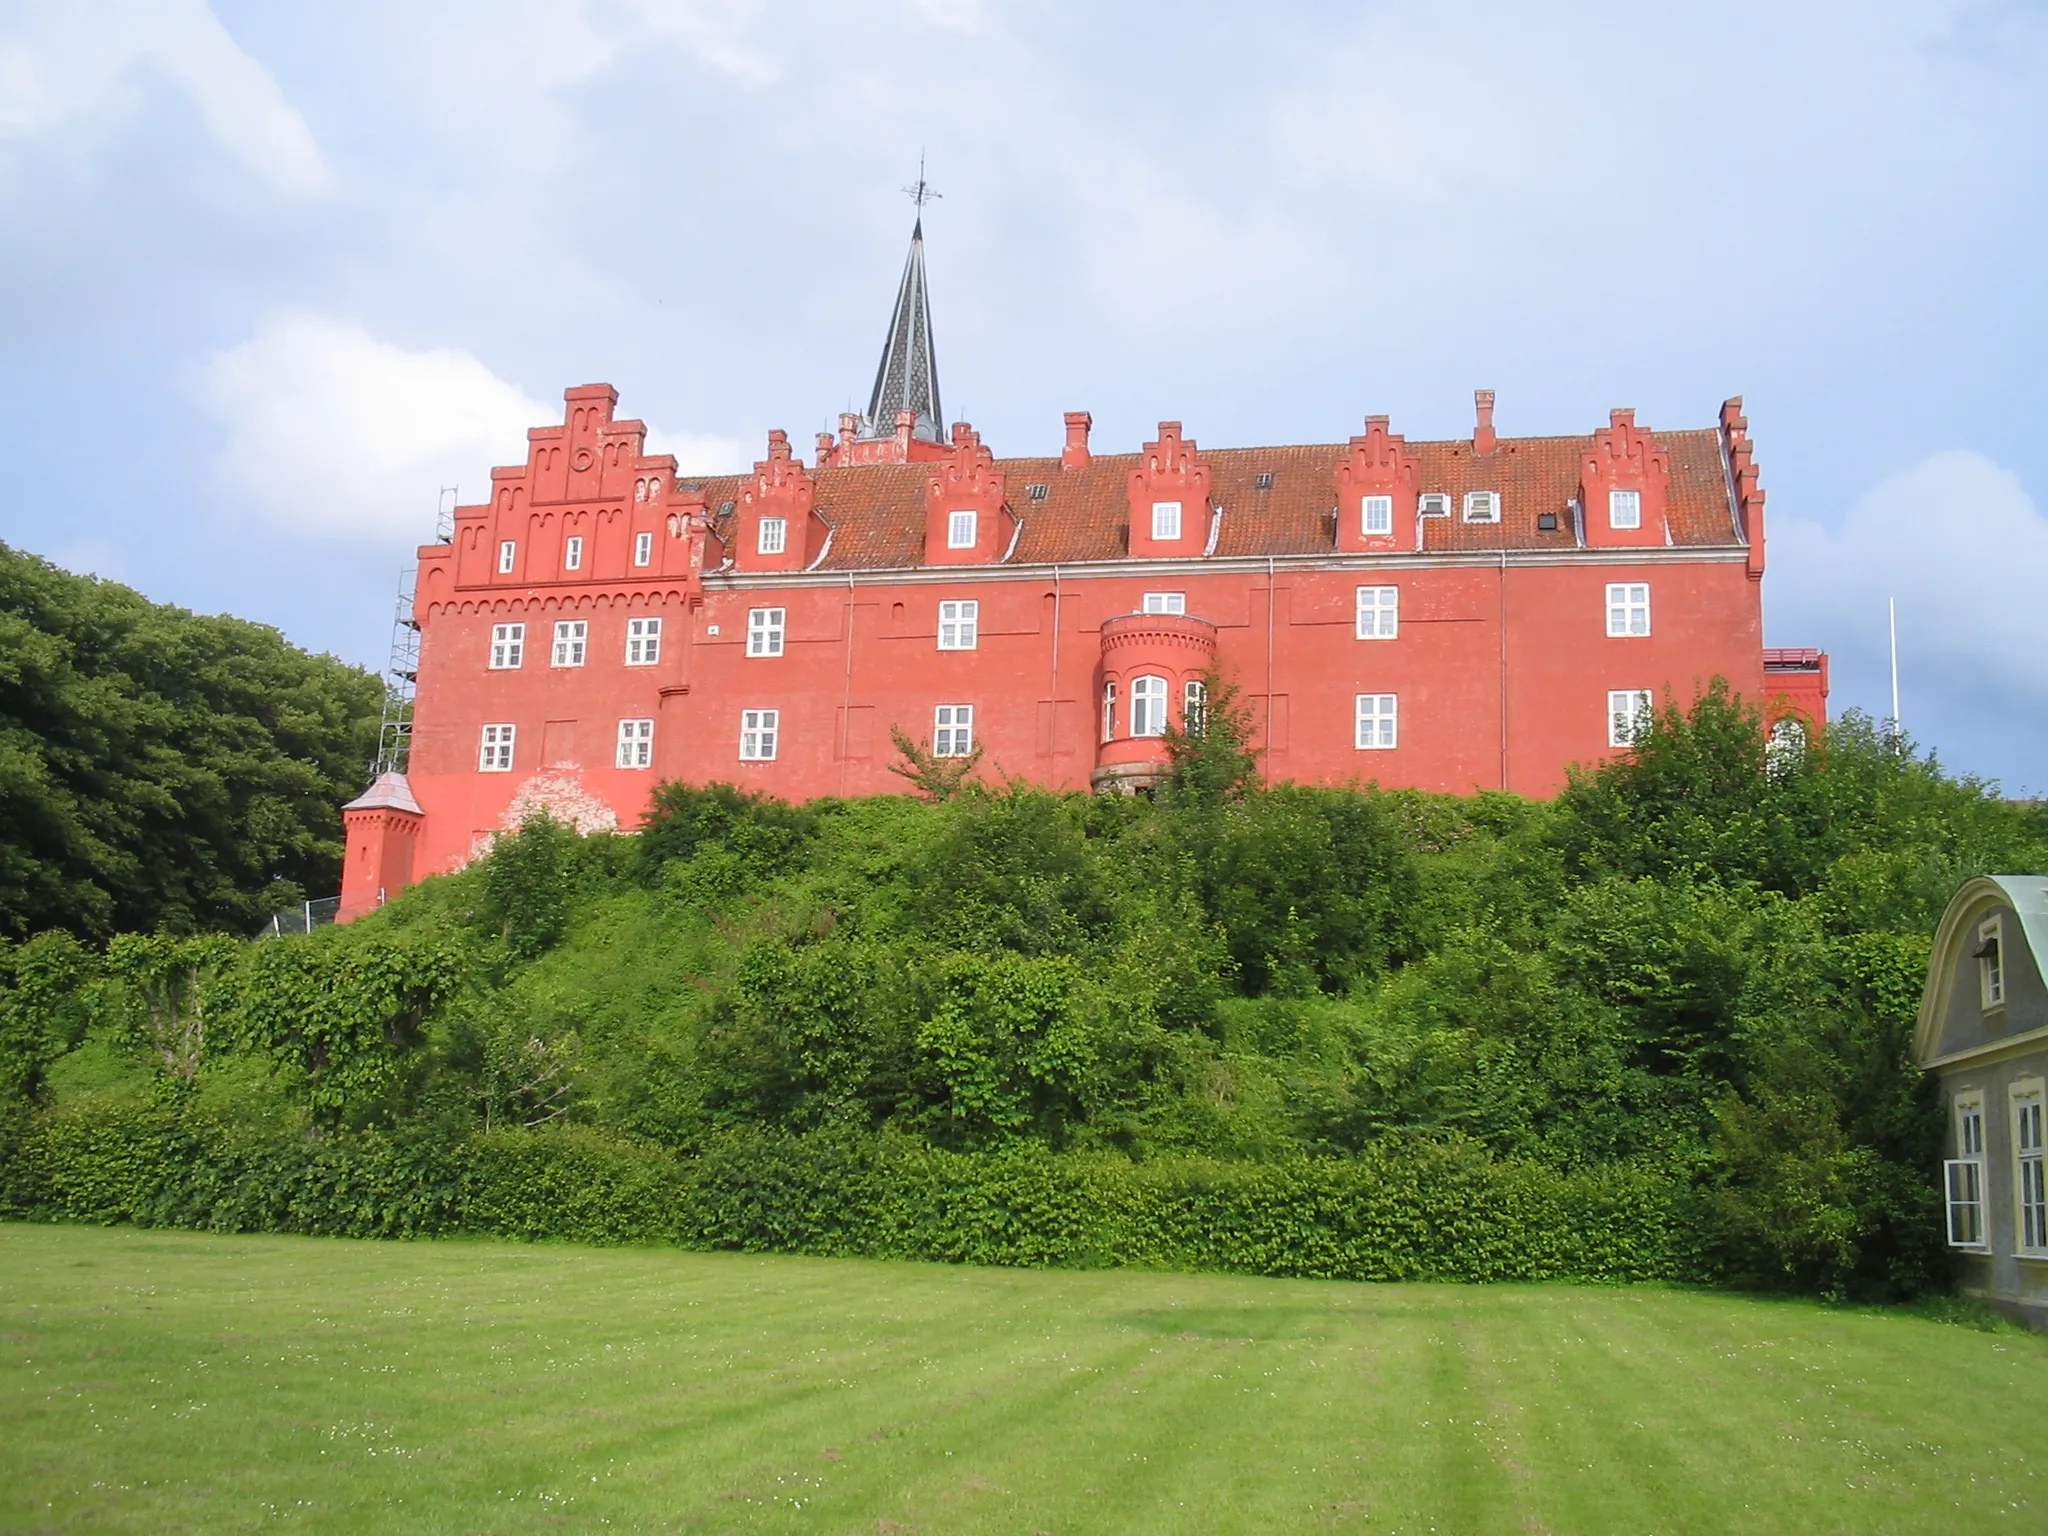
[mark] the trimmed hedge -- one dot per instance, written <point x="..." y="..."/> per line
<point x="1402" y="1211"/>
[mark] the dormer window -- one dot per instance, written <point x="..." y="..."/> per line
<point x="507" y="553"/>
<point x="774" y="534"/>
<point x="572" y="553"/>
<point x="960" y="530"/>
<point x="1376" y="515"/>
<point x="1624" y="509"/>
<point x="1165" y="520"/>
<point x="1433" y="504"/>
<point x="1482" y="506"/>
<point x="1990" y="964"/>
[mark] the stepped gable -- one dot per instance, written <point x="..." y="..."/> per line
<point x="877" y="511"/>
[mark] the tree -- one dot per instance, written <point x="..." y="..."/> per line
<point x="161" y="770"/>
<point x="170" y="985"/>
<point x="934" y="777"/>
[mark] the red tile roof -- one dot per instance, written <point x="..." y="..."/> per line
<point x="877" y="512"/>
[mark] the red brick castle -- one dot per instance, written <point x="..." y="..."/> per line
<point x="1473" y="614"/>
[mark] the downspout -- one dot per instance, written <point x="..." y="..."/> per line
<point x="1270" y="599"/>
<point x="1052" y="724"/>
<point x="1503" y="666"/>
<point x="846" y="697"/>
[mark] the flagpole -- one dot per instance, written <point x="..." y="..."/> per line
<point x="1893" y="604"/>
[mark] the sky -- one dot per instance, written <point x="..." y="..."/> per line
<point x="274" y="276"/>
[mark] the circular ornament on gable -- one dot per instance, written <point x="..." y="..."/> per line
<point x="582" y="459"/>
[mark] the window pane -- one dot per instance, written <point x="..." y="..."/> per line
<point x="1165" y="519"/>
<point x="1377" y="513"/>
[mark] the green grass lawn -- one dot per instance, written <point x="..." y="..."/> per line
<point x="166" y="1381"/>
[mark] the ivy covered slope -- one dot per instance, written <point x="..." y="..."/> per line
<point x="160" y="768"/>
<point x="1656" y="1027"/>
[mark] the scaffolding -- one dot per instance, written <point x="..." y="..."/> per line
<point x="394" y="731"/>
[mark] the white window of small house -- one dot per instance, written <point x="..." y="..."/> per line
<point x="764" y="631"/>
<point x="1628" y="608"/>
<point x="1963" y="1175"/>
<point x="758" y="730"/>
<point x="1166" y="602"/>
<point x="953" y="730"/>
<point x="643" y="642"/>
<point x="571" y="638"/>
<point x="643" y="549"/>
<point x="1433" y="504"/>
<point x="1109" y="711"/>
<point x="959" y="623"/>
<point x="1628" y="715"/>
<point x="1376" y="515"/>
<point x="572" y="552"/>
<point x="1624" y="509"/>
<point x="960" y="528"/>
<point x="1990" y="953"/>
<point x="774" y="531"/>
<point x="494" y="753"/>
<point x="1482" y="506"/>
<point x="636" y="743"/>
<point x="1378" y="717"/>
<point x="1165" y="519"/>
<point x="508" y="551"/>
<point x="1148" y="706"/>
<point x="2029" y="1186"/>
<point x="1194" y="707"/>
<point x="1379" y="613"/>
<point x="508" y="646"/>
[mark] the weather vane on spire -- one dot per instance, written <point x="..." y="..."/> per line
<point x="922" y="193"/>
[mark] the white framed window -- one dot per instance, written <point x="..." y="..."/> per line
<point x="1109" y="711"/>
<point x="959" y="625"/>
<point x="1624" y="509"/>
<point x="1376" y="515"/>
<point x="1148" y="706"/>
<point x="1482" y="506"/>
<point x="1990" y="953"/>
<point x="1165" y="519"/>
<point x="1379" y="613"/>
<point x="1628" y="715"/>
<point x="1628" y="608"/>
<point x="960" y="530"/>
<point x="1433" y="504"/>
<point x="643" y="642"/>
<point x="1963" y="1175"/>
<point x="494" y="754"/>
<point x="1378" y="722"/>
<point x="774" y="534"/>
<point x="508" y="551"/>
<point x="1194" y="707"/>
<point x="572" y="552"/>
<point x="2030" y="1192"/>
<point x="636" y="743"/>
<point x="764" y="631"/>
<point x="1166" y="602"/>
<point x="572" y="637"/>
<point x="508" y="646"/>
<point x="953" y="730"/>
<point x="759" y="729"/>
<point x="643" y="549"/>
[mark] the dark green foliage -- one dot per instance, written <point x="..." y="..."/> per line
<point x="1657" y="1028"/>
<point x="161" y="769"/>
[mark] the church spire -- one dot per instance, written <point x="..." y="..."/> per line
<point x="908" y="377"/>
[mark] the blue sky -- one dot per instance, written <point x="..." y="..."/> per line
<point x="273" y="275"/>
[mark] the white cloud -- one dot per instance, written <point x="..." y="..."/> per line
<point x="332" y="433"/>
<point x="78" y="64"/>
<point x="1963" y="547"/>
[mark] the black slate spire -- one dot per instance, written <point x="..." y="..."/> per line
<point x="908" y="378"/>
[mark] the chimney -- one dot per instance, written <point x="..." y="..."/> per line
<point x="849" y="426"/>
<point x="1075" y="454"/>
<point x="1483" y="438"/>
<point x="906" y="424"/>
<point x="1622" y="416"/>
<point x="824" y="449"/>
<point x="778" y="444"/>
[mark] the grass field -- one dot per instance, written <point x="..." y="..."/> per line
<point x="154" y="1381"/>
